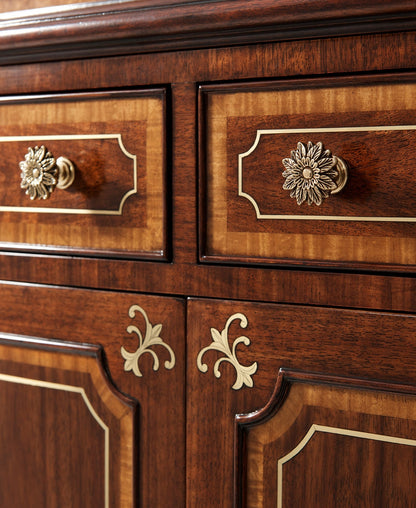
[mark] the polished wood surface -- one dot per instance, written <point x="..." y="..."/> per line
<point x="137" y="26"/>
<point x="393" y="52"/>
<point x="64" y="428"/>
<point x="8" y="6"/>
<point x="357" y="344"/>
<point x="117" y="144"/>
<point x="185" y="70"/>
<point x="249" y="216"/>
<point x="329" y="443"/>
<point x="103" y="318"/>
<point x="155" y="296"/>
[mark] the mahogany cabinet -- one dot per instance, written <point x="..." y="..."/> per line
<point x="207" y="253"/>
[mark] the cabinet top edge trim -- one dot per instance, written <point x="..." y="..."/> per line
<point x="143" y="26"/>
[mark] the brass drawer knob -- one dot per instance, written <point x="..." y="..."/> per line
<point x="313" y="173"/>
<point x="41" y="173"/>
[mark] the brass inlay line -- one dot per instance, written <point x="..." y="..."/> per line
<point x="261" y="132"/>
<point x="74" y="389"/>
<point x="74" y="211"/>
<point x="331" y="430"/>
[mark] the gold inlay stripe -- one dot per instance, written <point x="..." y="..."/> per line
<point x="75" y="211"/>
<point x="261" y="132"/>
<point x="331" y="430"/>
<point x="74" y="389"/>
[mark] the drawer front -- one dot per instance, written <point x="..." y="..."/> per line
<point x="273" y="193"/>
<point x="281" y="393"/>
<point x="117" y="344"/>
<point x="113" y="145"/>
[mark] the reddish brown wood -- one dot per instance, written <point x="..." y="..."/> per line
<point x="356" y="344"/>
<point x="358" y="54"/>
<point x="117" y="144"/>
<point x="353" y="424"/>
<point x="246" y="132"/>
<point x="134" y="27"/>
<point x="102" y="318"/>
<point x="364" y="53"/>
<point x="184" y="200"/>
<point x="178" y="47"/>
<point x="359" y="290"/>
<point x="64" y="427"/>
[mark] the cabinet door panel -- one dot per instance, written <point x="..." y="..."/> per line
<point x="235" y="352"/>
<point x="143" y="342"/>
<point x="67" y="438"/>
<point x="328" y="442"/>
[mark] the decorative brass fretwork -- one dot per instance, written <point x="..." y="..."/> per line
<point x="41" y="173"/>
<point x="152" y="338"/>
<point x="313" y="173"/>
<point x="220" y="343"/>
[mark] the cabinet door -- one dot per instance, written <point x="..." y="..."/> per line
<point x="67" y="437"/>
<point x="132" y="373"/>
<point x="290" y="403"/>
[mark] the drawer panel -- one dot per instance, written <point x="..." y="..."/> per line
<point x="116" y="144"/>
<point x="255" y="213"/>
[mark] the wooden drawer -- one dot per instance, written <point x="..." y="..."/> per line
<point x="117" y="145"/>
<point x="248" y="130"/>
<point x="299" y="402"/>
<point x="92" y="398"/>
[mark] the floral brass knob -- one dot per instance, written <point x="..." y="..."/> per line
<point x="313" y="173"/>
<point x="41" y="173"/>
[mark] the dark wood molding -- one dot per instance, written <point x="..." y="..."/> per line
<point x="141" y="26"/>
<point x="286" y="378"/>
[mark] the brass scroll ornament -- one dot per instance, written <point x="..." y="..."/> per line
<point x="313" y="173"/>
<point x="41" y="173"/>
<point x="152" y="338"/>
<point x="220" y="343"/>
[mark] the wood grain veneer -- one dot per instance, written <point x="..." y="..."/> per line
<point x="98" y="317"/>
<point x="117" y="201"/>
<point x="64" y="428"/>
<point x="359" y="441"/>
<point x="249" y="214"/>
<point x="374" y="53"/>
<point x="357" y="318"/>
<point x="357" y="344"/>
<point x="133" y="27"/>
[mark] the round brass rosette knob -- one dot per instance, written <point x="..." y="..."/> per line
<point x="313" y="173"/>
<point x="41" y="173"/>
